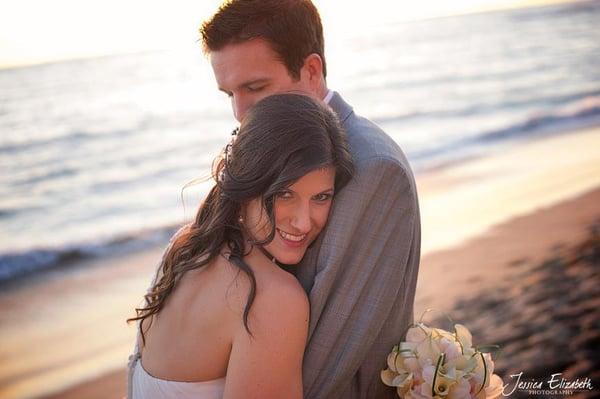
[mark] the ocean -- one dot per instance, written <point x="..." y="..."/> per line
<point x="95" y="153"/>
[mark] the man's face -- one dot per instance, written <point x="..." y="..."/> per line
<point x="249" y="71"/>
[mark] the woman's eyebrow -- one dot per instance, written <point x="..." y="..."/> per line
<point x="326" y="190"/>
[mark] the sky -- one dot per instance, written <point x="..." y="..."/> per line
<point x="37" y="31"/>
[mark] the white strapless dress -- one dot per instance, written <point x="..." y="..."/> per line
<point x="145" y="386"/>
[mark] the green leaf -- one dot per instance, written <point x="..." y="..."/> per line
<point x="484" y="374"/>
<point x="437" y="369"/>
<point x="488" y="348"/>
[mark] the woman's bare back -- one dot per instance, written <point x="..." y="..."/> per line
<point x="191" y="338"/>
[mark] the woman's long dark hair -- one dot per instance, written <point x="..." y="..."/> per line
<point x="282" y="138"/>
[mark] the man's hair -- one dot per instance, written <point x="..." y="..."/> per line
<point x="291" y="27"/>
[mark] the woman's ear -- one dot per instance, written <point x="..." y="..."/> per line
<point x="241" y="218"/>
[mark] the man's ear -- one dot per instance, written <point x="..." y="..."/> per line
<point x="313" y="70"/>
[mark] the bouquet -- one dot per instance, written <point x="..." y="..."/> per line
<point x="435" y="363"/>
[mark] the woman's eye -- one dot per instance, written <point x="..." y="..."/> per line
<point x="284" y="194"/>
<point x="323" y="197"/>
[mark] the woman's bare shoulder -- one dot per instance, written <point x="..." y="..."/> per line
<point x="276" y="289"/>
<point x="266" y="358"/>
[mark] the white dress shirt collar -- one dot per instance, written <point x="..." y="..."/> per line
<point x="328" y="96"/>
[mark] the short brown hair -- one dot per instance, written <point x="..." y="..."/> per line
<point x="291" y="27"/>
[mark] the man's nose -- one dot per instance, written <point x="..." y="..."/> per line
<point x="240" y="107"/>
<point x="301" y="219"/>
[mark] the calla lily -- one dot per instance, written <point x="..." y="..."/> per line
<point x="397" y="359"/>
<point x="426" y="390"/>
<point x="442" y="385"/>
<point x="402" y="381"/>
<point x="450" y="348"/>
<point x="460" y="390"/>
<point x="418" y="333"/>
<point x="463" y="335"/>
<point x="483" y="372"/>
<point x="448" y="372"/>
<point x="412" y="363"/>
<point x="438" y="333"/>
<point x="395" y="362"/>
<point x="428" y="373"/>
<point x="464" y="364"/>
<point x="415" y="393"/>
<point x="403" y="385"/>
<point x="407" y="349"/>
<point x="387" y="376"/>
<point x="494" y="390"/>
<point x="428" y="351"/>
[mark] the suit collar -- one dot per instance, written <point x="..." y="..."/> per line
<point x="341" y="107"/>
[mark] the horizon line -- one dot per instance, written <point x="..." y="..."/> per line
<point x="496" y="8"/>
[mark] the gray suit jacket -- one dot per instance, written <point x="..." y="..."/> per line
<point x="361" y="273"/>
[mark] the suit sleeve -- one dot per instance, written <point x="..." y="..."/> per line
<point x="365" y="274"/>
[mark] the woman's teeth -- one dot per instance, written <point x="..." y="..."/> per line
<point x="291" y="237"/>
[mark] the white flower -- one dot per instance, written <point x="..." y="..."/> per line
<point x="464" y="365"/>
<point x="442" y="385"/>
<point x="450" y="348"/>
<point x="494" y="390"/>
<point x="402" y="382"/>
<point x="460" y="390"/>
<point x="398" y="373"/>
<point x="418" y="333"/>
<point x="463" y="335"/>
<point x="436" y="364"/>
<point x="482" y="373"/>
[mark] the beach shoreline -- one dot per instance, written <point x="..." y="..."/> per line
<point x="66" y="335"/>
<point x="502" y="250"/>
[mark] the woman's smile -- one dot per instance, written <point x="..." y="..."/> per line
<point x="292" y="240"/>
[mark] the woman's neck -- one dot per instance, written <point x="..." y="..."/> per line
<point x="266" y="253"/>
<point x="257" y="252"/>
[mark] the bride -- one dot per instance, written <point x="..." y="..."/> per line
<point x="222" y="319"/>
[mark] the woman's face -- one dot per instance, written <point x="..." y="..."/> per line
<point x="301" y="211"/>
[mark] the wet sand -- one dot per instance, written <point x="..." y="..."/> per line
<point x="537" y="298"/>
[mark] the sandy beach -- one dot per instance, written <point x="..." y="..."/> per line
<point x="509" y="233"/>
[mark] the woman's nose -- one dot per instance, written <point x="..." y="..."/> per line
<point x="301" y="219"/>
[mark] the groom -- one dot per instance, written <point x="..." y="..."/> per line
<point x="360" y="275"/>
